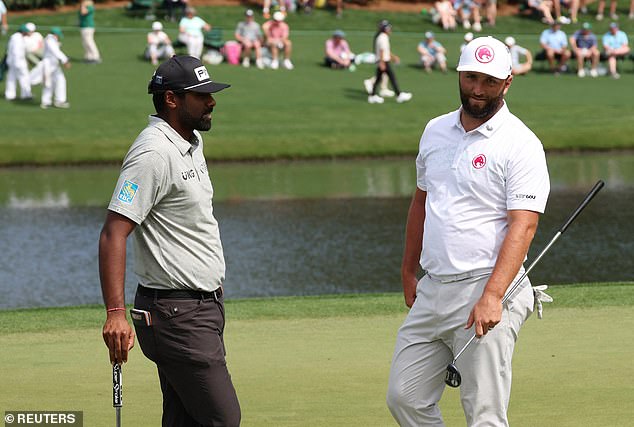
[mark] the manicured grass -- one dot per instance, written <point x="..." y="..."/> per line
<point x="309" y="112"/>
<point x="324" y="361"/>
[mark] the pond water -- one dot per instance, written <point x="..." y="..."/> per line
<point x="296" y="228"/>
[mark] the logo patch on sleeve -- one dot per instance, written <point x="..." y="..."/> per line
<point x="128" y="191"/>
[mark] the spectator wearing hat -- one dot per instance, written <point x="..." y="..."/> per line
<point x="249" y="34"/>
<point x="159" y="45"/>
<point x="17" y="66"/>
<point x="555" y="44"/>
<point x="432" y="52"/>
<point x="276" y="33"/>
<point x="585" y="45"/>
<point x="190" y="32"/>
<point x="385" y="58"/>
<point x="164" y="201"/>
<point x="54" y="81"/>
<point x="519" y="67"/>
<point x="4" y="21"/>
<point x="87" y="30"/>
<point x="338" y="53"/>
<point x="616" y="46"/>
<point x="34" y="42"/>
<point x="446" y="14"/>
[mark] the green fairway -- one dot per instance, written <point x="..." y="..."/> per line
<point x="324" y="361"/>
<point x="306" y="113"/>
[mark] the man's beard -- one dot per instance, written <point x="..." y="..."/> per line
<point x="487" y="110"/>
<point x="196" y="123"/>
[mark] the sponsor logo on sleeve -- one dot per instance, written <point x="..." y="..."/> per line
<point x="525" y="196"/>
<point x="128" y="191"/>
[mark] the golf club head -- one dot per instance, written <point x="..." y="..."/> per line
<point x="453" y="378"/>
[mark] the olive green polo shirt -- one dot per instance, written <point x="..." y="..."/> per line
<point x="164" y="187"/>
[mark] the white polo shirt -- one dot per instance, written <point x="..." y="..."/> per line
<point x="382" y="47"/>
<point x="164" y="187"/>
<point x="472" y="179"/>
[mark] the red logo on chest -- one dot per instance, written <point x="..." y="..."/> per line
<point x="479" y="161"/>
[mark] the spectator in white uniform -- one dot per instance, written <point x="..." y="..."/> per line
<point x="159" y="45"/>
<point x="18" y="69"/>
<point x="54" y="80"/>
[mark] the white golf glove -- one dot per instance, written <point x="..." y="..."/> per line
<point x="540" y="297"/>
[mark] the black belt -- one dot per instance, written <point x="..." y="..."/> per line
<point x="179" y="293"/>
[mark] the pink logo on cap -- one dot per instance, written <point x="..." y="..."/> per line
<point x="484" y="54"/>
<point x="479" y="161"/>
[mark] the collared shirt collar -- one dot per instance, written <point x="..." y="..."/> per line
<point x="489" y="127"/>
<point x="181" y="144"/>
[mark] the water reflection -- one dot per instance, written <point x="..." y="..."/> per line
<point x="296" y="229"/>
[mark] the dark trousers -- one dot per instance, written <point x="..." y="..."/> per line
<point x="390" y="75"/>
<point x="185" y="340"/>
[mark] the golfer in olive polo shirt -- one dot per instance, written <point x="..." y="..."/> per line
<point x="164" y="195"/>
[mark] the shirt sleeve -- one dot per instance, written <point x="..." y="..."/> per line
<point x="527" y="181"/>
<point x="141" y="185"/>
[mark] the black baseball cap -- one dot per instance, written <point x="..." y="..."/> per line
<point x="183" y="72"/>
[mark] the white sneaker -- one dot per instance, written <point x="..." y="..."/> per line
<point x="594" y="73"/>
<point x="403" y="97"/>
<point x="246" y="63"/>
<point x="61" y="105"/>
<point x="581" y="73"/>
<point x="375" y="99"/>
<point x="564" y="20"/>
<point x="599" y="17"/>
<point x="288" y="64"/>
<point x="386" y="93"/>
<point x="259" y="63"/>
<point x="616" y="76"/>
<point x="466" y="25"/>
<point x="369" y="85"/>
<point x="631" y="15"/>
<point x="477" y="27"/>
<point x="275" y="64"/>
<point x="45" y="106"/>
<point x="614" y="16"/>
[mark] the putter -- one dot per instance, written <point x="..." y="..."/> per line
<point x="453" y="378"/>
<point x="117" y="401"/>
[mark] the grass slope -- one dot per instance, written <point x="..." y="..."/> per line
<point x="324" y="361"/>
<point x="309" y="112"/>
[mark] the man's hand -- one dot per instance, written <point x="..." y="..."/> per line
<point x="485" y="314"/>
<point x="409" y="290"/>
<point x="118" y="336"/>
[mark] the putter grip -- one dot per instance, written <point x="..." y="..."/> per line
<point x="117" y="400"/>
<point x="597" y="187"/>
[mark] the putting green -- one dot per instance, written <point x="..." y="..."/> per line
<point x="569" y="369"/>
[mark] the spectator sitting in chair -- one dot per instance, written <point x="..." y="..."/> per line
<point x="585" y="46"/>
<point x="277" y="32"/>
<point x="338" y="53"/>
<point x="519" y="67"/>
<point x="432" y="52"/>
<point x="159" y="45"/>
<point x="191" y="29"/>
<point x="555" y="44"/>
<point x="615" y="45"/>
<point x="249" y="34"/>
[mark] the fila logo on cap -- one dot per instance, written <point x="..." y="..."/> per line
<point x="201" y="73"/>
<point x="484" y="54"/>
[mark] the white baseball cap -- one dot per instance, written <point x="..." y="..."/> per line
<point x="157" y="26"/>
<point x="30" y="26"/>
<point x="509" y="41"/>
<point x="278" y="16"/>
<point x="486" y="55"/>
<point x="468" y="37"/>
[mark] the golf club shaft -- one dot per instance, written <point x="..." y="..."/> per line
<point x="597" y="187"/>
<point x="118" y="413"/>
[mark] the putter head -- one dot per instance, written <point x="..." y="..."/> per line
<point x="453" y="378"/>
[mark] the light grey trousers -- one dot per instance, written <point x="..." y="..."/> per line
<point x="433" y="332"/>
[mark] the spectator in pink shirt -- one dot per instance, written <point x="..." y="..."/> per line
<point x="338" y="54"/>
<point x="276" y="32"/>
